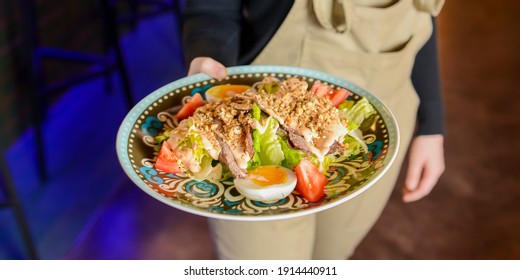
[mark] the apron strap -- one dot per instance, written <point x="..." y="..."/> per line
<point x="334" y="15"/>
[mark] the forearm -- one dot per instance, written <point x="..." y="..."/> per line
<point x="426" y="80"/>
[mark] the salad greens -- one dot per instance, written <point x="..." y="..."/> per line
<point x="271" y="147"/>
<point x="356" y="112"/>
<point x="268" y="149"/>
<point x="292" y="156"/>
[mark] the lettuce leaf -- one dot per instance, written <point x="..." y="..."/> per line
<point x="257" y="112"/>
<point x="354" y="147"/>
<point x="356" y="112"/>
<point x="324" y="165"/>
<point x="194" y="141"/>
<point x="189" y="148"/>
<point x="207" y="170"/>
<point x="292" y="156"/>
<point x="267" y="146"/>
<point x="269" y="87"/>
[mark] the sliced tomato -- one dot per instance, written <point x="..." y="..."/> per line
<point x="315" y="86"/>
<point x="320" y="89"/>
<point x="166" y="160"/>
<point x="338" y="96"/>
<point x="310" y="181"/>
<point x="189" y="108"/>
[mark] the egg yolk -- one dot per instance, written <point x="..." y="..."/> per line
<point x="272" y="174"/>
<point x="223" y="91"/>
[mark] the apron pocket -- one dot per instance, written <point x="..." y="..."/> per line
<point x="380" y="73"/>
<point x="384" y="29"/>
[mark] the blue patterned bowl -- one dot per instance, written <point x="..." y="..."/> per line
<point x="220" y="199"/>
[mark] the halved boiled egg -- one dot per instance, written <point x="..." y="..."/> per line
<point x="220" y="92"/>
<point x="267" y="184"/>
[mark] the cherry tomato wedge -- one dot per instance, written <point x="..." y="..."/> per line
<point x="166" y="160"/>
<point x="320" y="89"/>
<point x="189" y="108"/>
<point x="338" y="96"/>
<point x="310" y="181"/>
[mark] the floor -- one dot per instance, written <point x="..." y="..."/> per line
<point x="90" y="210"/>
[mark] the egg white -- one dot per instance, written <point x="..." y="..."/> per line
<point x="267" y="194"/>
<point x="212" y="98"/>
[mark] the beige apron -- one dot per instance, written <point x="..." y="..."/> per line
<point x="372" y="43"/>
